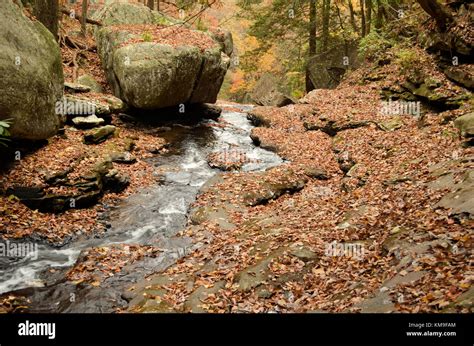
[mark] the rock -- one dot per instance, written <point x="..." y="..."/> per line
<point x="263" y="293"/>
<point x="229" y="160"/>
<point x="115" y="182"/>
<point x="32" y="83"/>
<point x="395" y="240"/>
<point x="266" y="93"/>
<point x="88" y="122"/>
<point x="87" y="189"/>
<point x="25" y="192"/>
<point x="74" y="106"/>
<point x="351" y="217"/>
<point x="286" y="182"/>
<point x="104" y="105"/>
<point x="258" y="116"/>
<point x="103" y="167"/>
<point x="391" y="125"/>
<point x="128" y="13"/>
<point x="224" y="38"/>
<point x="381" y="302"/>
<point x="326" y="69"/>
<point x="432" y="93"/>
<point x="194" y="303"/>
<point x="263" y="143"/>
<point x="465" y="124"/>
<point x="217" y="215"/>
<point x="123" y="157"/>
<point x="303" y="253"/>
<point x="57" y="177"/>
<point x="447" y="43"/>
<point x="35" y="198"/>
<point x="346" y="162"/>
<point x="332" y="127"/>
<point x="396" y="92"/>
<point x="99" y="135"/>
<point x="91" y="83"/>
<point x="110" y="178"/>
<point x="465" y="300"/>
<point x="115" y="104"/>
<point x="76" y="87"/>
<point x="460" y="201"/>
<point x="461" y="74"/>
<point x="257" y="274"/>
<point x="396" y="180"/>
<point x="151" y="75"/>
<point x="316" y="173"/>
<point x="203" y="111"/>
<point x="129" y="144"/>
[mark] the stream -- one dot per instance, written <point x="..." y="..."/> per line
<point x="152" y="216"/>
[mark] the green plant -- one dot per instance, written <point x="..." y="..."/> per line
<point x="200" y="25"/>
<point x="147" y="37"/>
<point x="374" y="45"/>
<point x="407" y="58"/>
<point x="4" y="133"/>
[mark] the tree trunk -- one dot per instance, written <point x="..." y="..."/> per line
<point x="312" y="42"/>
<point x="46" y="11"/>
<point x="157" y="5"/>
<point x="362" y="18"/>
<point x="368" y="5"/>
<point x="438" y="12"/>
<point x="378" y="19"/>
<point x="326" y="13"/>
<point x="151" y="4"/>
<point x="351" y="11"/>
<point x="392" y="9"/>
<point x="84" y="18"/>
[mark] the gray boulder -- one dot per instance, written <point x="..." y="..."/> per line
<point x="99" y="135"/>
<point x="225" y="40"/>
<point x="87" y="122"/>
<point x="327" y="69"/>
<point x="32" y="75"/>
<point x="90" y="82"/>
<point x="266" y="92"/>
<point x="153" y="75"/>
<point x="121" y="12"/>
<point x="465" y="124"/>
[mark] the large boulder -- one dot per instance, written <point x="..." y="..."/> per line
<point x="465" y="124"/>
<point x="31" y="73"/>
<point x="327" y="69"/>
<point x="267" y="93"/>
<point x="151" y="64"/>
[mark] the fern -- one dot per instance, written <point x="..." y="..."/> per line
<point x="4" y="132"/>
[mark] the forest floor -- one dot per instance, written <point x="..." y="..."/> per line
<point x="359" y="219"/>
<point x="361" y="231"/>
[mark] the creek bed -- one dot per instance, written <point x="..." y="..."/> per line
<point x="153" y="216"/>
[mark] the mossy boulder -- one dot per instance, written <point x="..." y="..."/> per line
<point x="154" y="75"/>
<point x="465" y="124"/>
<point x="32" y="75"/>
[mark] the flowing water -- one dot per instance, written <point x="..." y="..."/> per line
<point x="152" y="216"/>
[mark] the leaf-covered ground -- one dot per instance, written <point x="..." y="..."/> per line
<point x="267" y="237"/>
<point x="402" y="252"/>
<point x="61" y="153"/>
